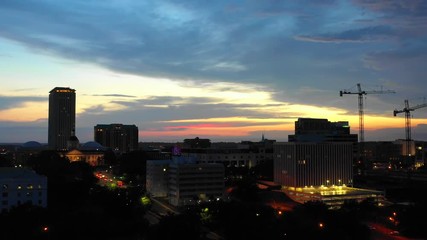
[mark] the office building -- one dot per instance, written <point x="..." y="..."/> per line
<point x="118" y="137"/>
<point x="19" y="186"/>
<point x="321" y="130"/>
<point x="184" y="181"/>
<point x="317" y="164"/>
<point x="313" y="164"/>
<point x="243" y="154"/>
<point x="191" y="182"/>
<point x="62" y="117"/>
<point x="157" y="177"/>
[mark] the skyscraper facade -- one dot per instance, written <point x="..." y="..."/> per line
<point x="301" y="164"/>
<point x="118" y="137"/>
<point x="62" y="117"/>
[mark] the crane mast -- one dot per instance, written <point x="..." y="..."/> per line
<point x="360" y="94"/>
<point x="407" y="110"/>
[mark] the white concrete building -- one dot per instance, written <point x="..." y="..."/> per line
<point x="19" y="186"/>
<point x="192" y="182"/>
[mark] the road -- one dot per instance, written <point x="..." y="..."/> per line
<point x="107" y="179"/>
<point x="381" y="232"/>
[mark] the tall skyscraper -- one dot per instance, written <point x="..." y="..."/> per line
<point x="62" y="117"/>
<point x="118" y="137"/>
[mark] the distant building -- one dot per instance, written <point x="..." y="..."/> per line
<point x="392" y="155"/>
<point x="19" y="186"/>
<point x="190" y="182"/>
<point x="197" y="143"/>
<point x="22" y="153"/>
<point x="118" y="137"/>
<point x="184" y="181"/>
<point x="244" y="154"/>
<point x="62" y="117"/>
<point x="91" y="152"/>
<point x="321" y="130"/>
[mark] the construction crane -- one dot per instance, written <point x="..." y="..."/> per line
<point x="407" y="110"/>
<point x="360" y="93"/>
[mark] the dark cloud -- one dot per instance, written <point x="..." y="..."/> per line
<point x="374" y="33"/>
<point x="7" y="102"/>
<point x="15" y="132"/>
<point x="245" y="42"/>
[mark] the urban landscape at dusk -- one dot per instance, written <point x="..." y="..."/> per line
<point x="213" y="120"/>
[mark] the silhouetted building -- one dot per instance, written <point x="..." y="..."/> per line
<point x="118" y="137"/>
<point x="197" y="143"/>
<point x="321" y="130"/>
<point x="19" y="186"/>
<point x="62" y="117"/>
<point x="73" y="143"/>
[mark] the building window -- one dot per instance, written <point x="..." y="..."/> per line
<point x="4" y="202"/>
<point x="5" y="186"/>
<point x="5" y="194"/>
<point x="19" y="187"/>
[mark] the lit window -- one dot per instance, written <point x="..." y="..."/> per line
<point x="19" y="187"/>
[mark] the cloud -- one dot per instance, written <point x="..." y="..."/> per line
<point x="8" y="102"/>
<point x="223" y="60"/>
<point x="114" y="95"/>
<point x="368" y="34"/>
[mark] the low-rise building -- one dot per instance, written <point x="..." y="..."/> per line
<point x="21" y="185"/>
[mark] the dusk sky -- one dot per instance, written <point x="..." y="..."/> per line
<point x="224" y="70"/>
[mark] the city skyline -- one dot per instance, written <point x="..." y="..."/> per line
<point x="227" y="71"/>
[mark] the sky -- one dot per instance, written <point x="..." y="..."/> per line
<point x="223" y="70"/>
